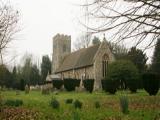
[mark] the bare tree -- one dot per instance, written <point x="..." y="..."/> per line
<point x="137" y="21"/>
<point x="82" y="41"/>
<point x="8" y="26"/>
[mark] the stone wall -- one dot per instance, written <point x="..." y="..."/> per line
<point x="86" y="72"/>
<point x="103" y="49"/>
<point x="61" y="48"/>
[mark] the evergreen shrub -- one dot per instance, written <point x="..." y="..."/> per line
<point x="54" y="103"/>
<point x="125" y="73"/>
<point x="69" y="101"/>
<point x="57" y="83"/>
<point x="110" y="85"/>
<point x="151" y="83"/>
<point x="77" y="104"/>
<point x="22" y="84"/>
<point x="78" y="82"/>
<point x="140" y="82"/>
<point x="132" y="85"/>
<point x="88" y="84"/>
<point x="97" y="104"/>
<point x="70" y="84"/>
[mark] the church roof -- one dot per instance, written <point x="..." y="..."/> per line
<point x="78" y="59"/>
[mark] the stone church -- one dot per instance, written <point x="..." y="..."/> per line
<point x="85" y="63"/>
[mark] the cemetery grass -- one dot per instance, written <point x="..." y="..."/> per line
<point x="141" y="105"/>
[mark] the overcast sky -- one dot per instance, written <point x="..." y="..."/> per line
<point x="40" y="20"/>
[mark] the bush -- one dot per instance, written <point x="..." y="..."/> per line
<point x="78" y="82"/>
<point x="97" y="104"/>
<point x="57" y="83"/>
<point x="133" y="85"/>
<point x="6" y="78"/>
<point x="22" y="85"/>
<point x="54" y="103"/>
<point x="110" y="85"/>
<point x="140" y="82"/>
<point x="151" y="83"/>
<point x="123" y="71"/>
<point x="69" y="101"/>
<point x="77" y="104"/>
<point x="15" y="103"/>
<point x="124" y="104"/>
<point x="88" y="84"/>
<point x="70" y="84"/>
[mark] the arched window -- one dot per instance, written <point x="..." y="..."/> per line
<point x="105" y="65"/>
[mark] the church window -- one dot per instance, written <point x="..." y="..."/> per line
<point x="105" y="65"/>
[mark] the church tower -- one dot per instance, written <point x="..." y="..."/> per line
<point x="61" y="48"/>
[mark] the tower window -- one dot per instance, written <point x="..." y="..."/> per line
<point x="105" y="65"/>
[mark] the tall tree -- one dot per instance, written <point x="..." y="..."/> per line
<point x="96" y="40"/>
<point x="14" y="72"/>
<point x="35" y="76"/>
<point x="5" y="77"/>
<point x="15" y="79"/>
<point x="30" y="73"/>
<point x="156" y="58"/>
<point x="45" y="67"/>
<point x="83" y="41"/>
<point x="8" y="26"/>
<point x="20" y="83"/>
<point x="26" y="70"/>
<point x="138" y="58"/>
<point x="135" y="20"/>
<point x="119" y="51"/>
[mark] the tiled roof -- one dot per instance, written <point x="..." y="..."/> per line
<point x="78" y="59"/>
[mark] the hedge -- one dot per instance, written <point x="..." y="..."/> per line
<point x="109" y="85"/>
<point x="151" y="82"/>
<point x="70" y="84"/>
<point x="57" y="83"/>
<point x="88" y="84"/>
<point x="132" y="85"/>
<point x="78" y="82"/>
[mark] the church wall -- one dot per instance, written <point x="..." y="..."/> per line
<point x="98" y="75"/>
<point x="79" y="73"/>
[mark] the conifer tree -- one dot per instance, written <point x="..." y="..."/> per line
<point x="138" y="58"/>
<point x="45" y="67"/>
<point x="156" y="58"/>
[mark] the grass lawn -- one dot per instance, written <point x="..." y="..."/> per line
<point x="141" y="105"/>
